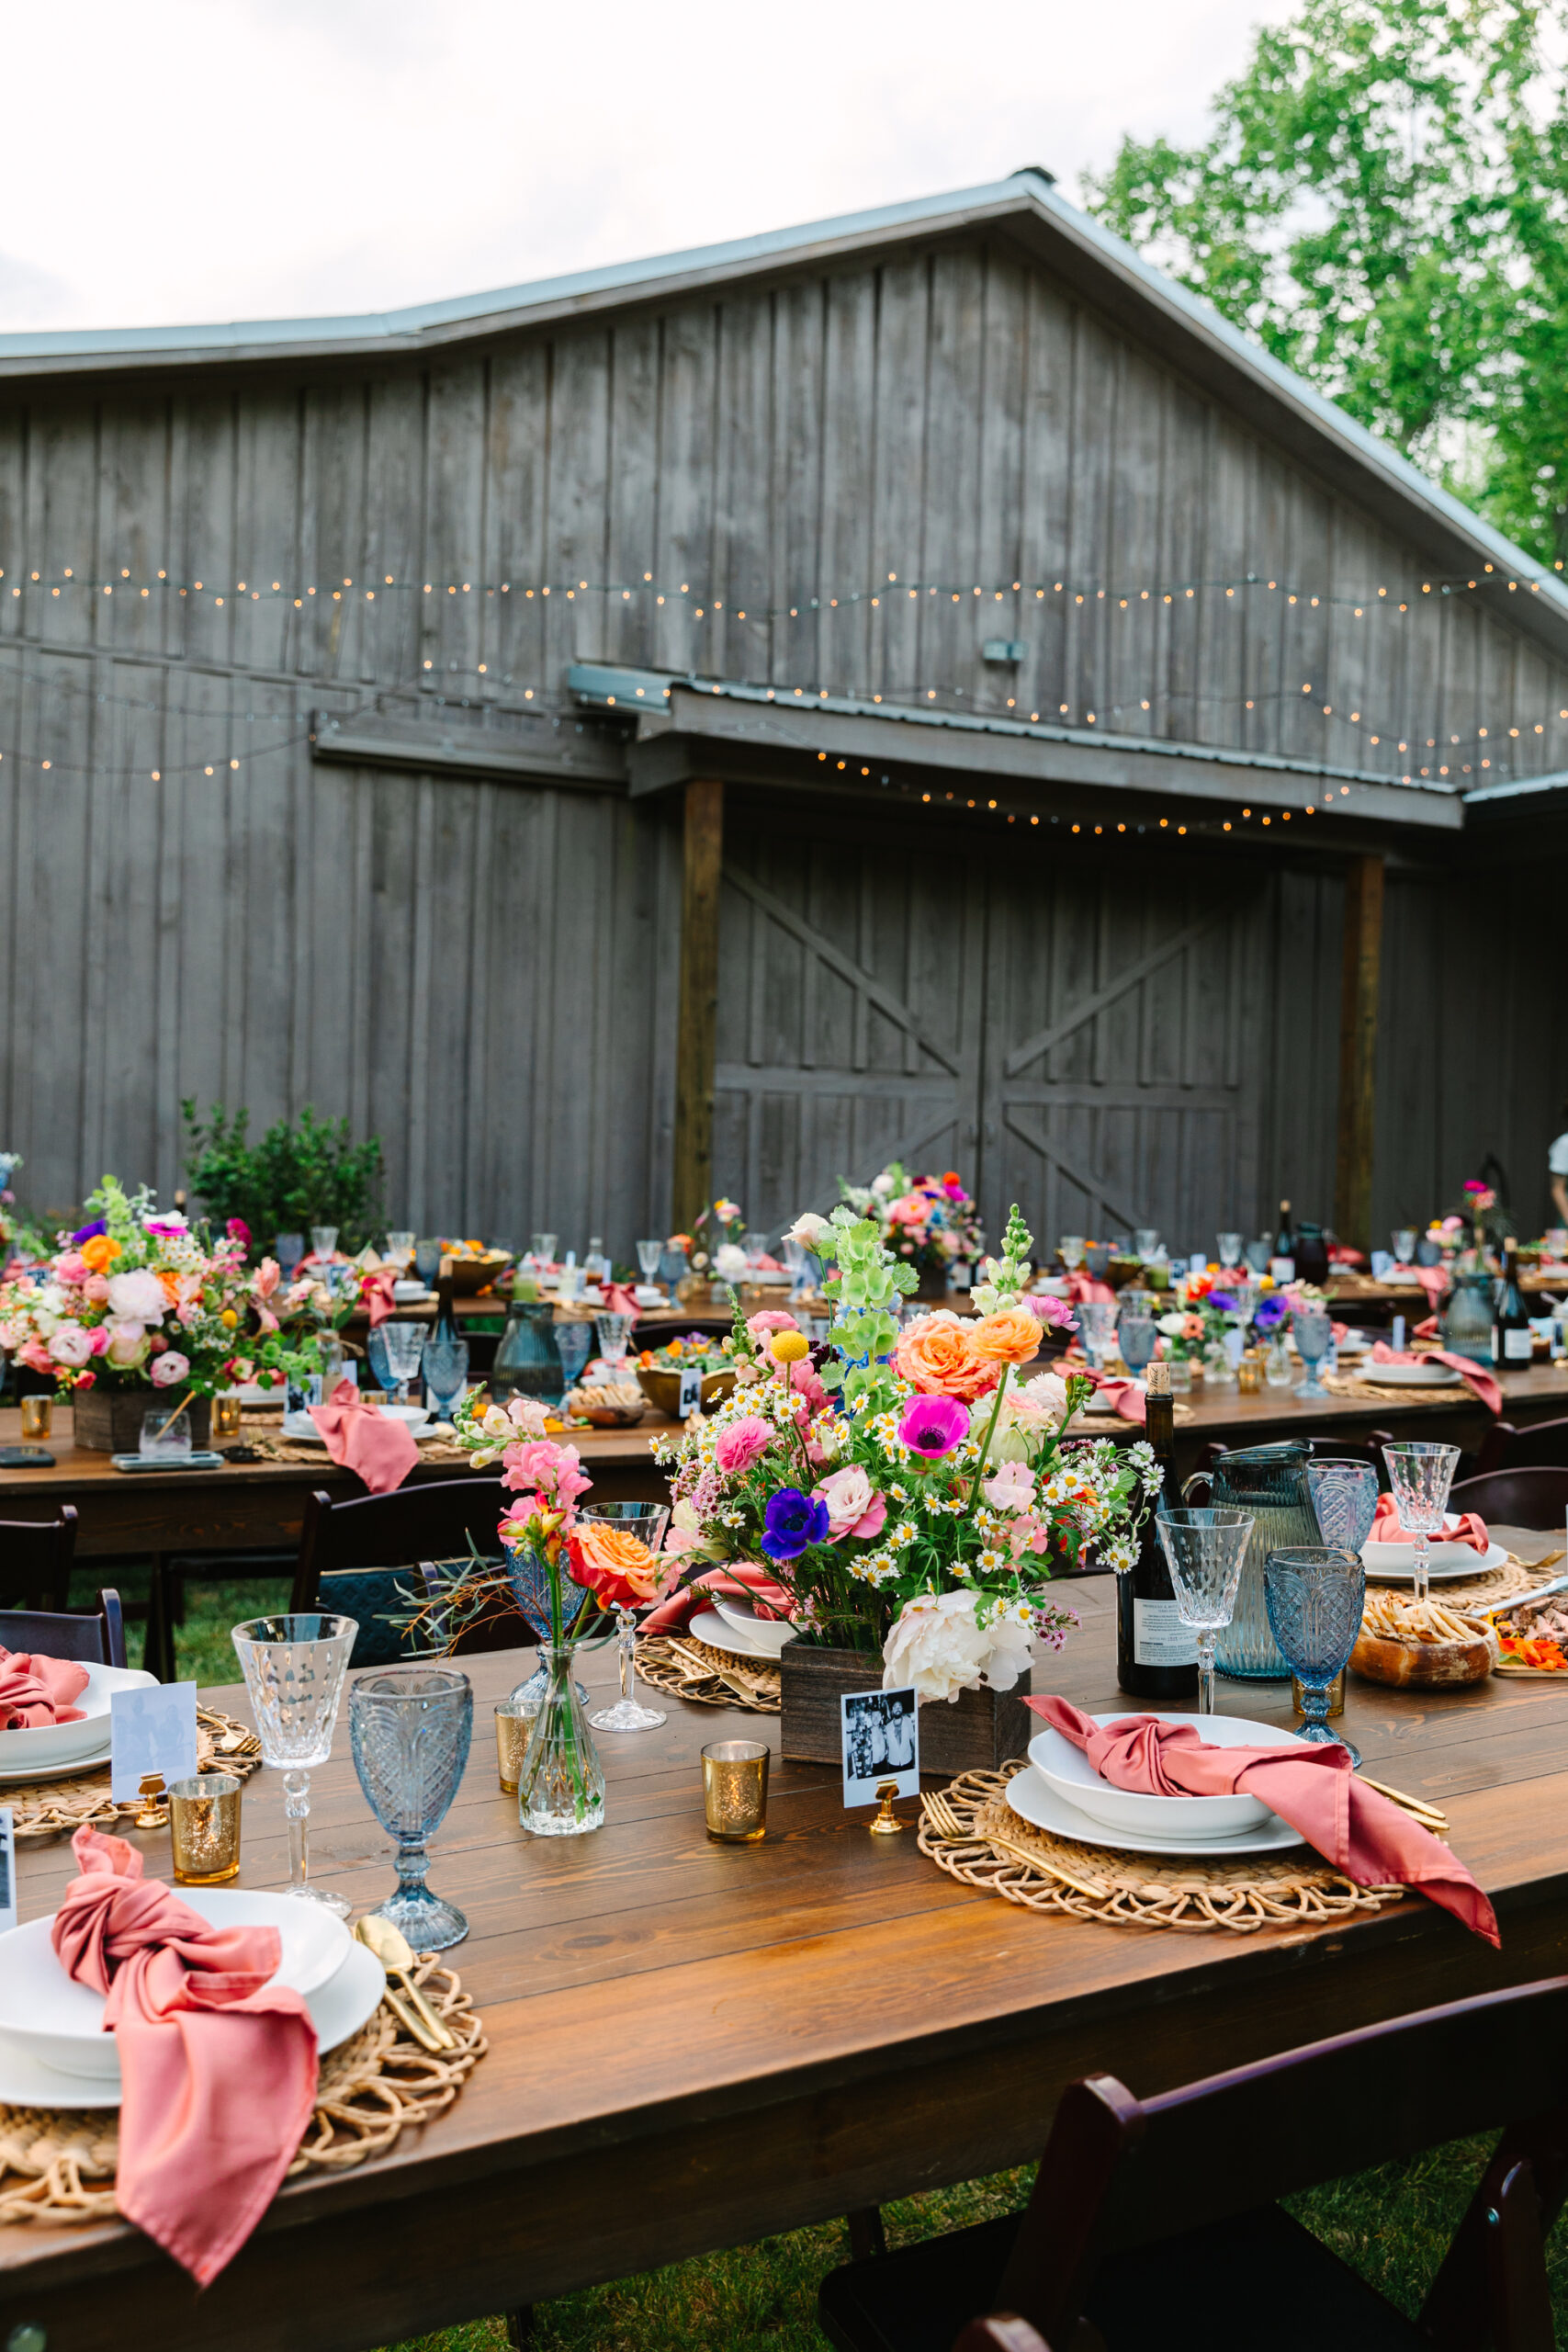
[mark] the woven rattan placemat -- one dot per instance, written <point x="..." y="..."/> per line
<point x="58" y="2164"/>
<point x="692" y="1669"/>
<point x="971" y="1832"/>
<point x="58" y="1808"/>
<point x="269" y="1442"/>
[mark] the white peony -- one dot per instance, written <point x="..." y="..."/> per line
<point x="730" y="1262"/>
<point x="137" y="1297"/>
<point x="936" y="1643"/>
<point x="71" y="1345"/>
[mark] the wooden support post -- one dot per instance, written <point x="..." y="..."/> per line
<point x="697" y="1017"/>
<point x="1358" y="1048"/>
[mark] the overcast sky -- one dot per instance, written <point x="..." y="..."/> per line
<point x="217" y="159"/>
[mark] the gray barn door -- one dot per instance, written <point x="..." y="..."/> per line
<point x="850" y="979"/>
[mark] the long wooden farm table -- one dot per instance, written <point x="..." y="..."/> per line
<point x="692" y="2045"/>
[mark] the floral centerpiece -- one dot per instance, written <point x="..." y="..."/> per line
<point x="714" y="1242"/>
<point x="927" y="1222"/>
<point x="910" y="1492"/>
<point x="134" y="1304"/>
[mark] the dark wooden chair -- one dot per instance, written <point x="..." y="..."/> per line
<point x="97" y="1639"/>
<point x="1543" y="1446"/>
<point x="1537" y="1498"/>
<point x="506" y="1628"/>
<point x="1152" y="2222"/>
<point x="35" y="1557"/>
<point x="363" y="1557"/>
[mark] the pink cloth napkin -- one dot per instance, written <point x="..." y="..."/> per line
<point x="1386" y="1529"/>
<point x="35" y="1690"/>
<point x="738" y="1579"/>
<point x="1432" y="1279"/>
<point x="1084" y="1291"/>
<point x="219" y="2066"/>
<point x="376" y="1293"/>
<point x="618" y="1300"/>
<point x="1480" y="1382"/>
<point x="1373" y="1841"/>
<point x="1124" y="1396"/>
<point x="360" y="1437"/>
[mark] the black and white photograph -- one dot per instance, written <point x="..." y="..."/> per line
<point x="7" y="1869"/>
<point x="881" y="1743"/>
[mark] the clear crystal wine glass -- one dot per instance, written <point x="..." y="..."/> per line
<point x="1137" y="1337"/>
<point x="1344" y="1498"/>
<point x="1230" y="1248"/>
<point x="405" y="1347"/>
<point x="1312" y="1332"/>
<point x="1146" y="1240"/>
<point x="400" y="1249"/>
<point x="648" y="1522"/>
<point x="1315" y="1597"/>
<point x="323" y="1239"/>
<point x="1205" y="1548"/>
<point x="446" y="1372"/>
<point x="1402" y="1242"/>
<point x="648" y="1253"/>
<point x="542" y="1247"/>
<point x="1097" y="1325"/>
<point x="615" y="1336"/>
<point x="409" y="1727"/>
<point x="294" y="1669"/>
<point x="1070" y="1249"/>
<point x="1421" y="1474"/>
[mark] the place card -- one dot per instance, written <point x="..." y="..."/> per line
<point x="880" y="1734"/>
<point x="7" y="1869"/>
<point x="152" y="1731"/>
<point x="691" y="1393"/>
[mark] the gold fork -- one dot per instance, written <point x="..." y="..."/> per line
<point x="1424" y="1813"/>
<point x="946" y="1823"/>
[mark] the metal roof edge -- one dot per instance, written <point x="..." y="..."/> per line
<point x="1518" y="786"/>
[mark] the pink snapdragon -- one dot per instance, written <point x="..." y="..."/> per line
<point x="552" y="1470"/>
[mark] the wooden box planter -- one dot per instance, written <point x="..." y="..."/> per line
<point x="979" y="1731"/>
<point x="108" y="1420"/>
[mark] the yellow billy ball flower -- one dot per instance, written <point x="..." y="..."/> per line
<point x="788" y="1347"/>
<point x="229" y="1319"/>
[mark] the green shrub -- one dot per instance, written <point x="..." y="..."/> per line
<point x="294" y="1178"/>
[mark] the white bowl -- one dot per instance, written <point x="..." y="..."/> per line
<point x="62" y="2021"/>
<point x="48" y="1744"/>
<point x="303" y="1429"/>
<point x="1412" y="1375"/>
<point x="1066" y="1769"/>
<point x="766" y="1635"/>
<point x="1399" y="1559"/>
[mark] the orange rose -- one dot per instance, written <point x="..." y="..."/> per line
<point x="939" y="1356"/>
<point x="1009" y="1336"/>
<point x="614" y="1565"/>
<point x="100" y="1252"/>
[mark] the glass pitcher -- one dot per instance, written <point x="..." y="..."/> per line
<point x="1467" y="1321"/>
<point x="1271" y="1482"/>
<point x="528" y="1361"/>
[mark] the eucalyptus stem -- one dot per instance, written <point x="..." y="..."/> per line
<point x="985" y="1447"/>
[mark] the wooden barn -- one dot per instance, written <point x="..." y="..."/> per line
<point x="918" y="685"/>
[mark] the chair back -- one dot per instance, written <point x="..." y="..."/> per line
<point x="500" y="1627"/>
<point x="1119" y="2172"/>
<point x="35" y="1560"/>
<point x="1536" y="1498"/>
<point x="1543" y="1446"/>
<point x="96" y="1640"/>
<point x="363" y="1556"/>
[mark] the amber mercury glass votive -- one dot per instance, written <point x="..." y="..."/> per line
<point x="37" y="1412"/>
<point x="226" y="1417"/>
<point x="204" y="1827"/>
<point x="513" y="1722"/>
<point x="735" y="1790"/>
<point x="1250" y="1374"/>
<point x="1335" y="1695"/>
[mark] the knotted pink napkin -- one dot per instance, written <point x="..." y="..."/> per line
<point x="218" y="2066"/>
<point x="1124" y="1396"/>
<point x="360" y="1437"/>
<point x="35" y="1690"/>
<point x="1479" y="1381"/>
<point x="1314" y="1788"/>
<point x="1084" y="1291"/>
<point x="376" y="1295"/>
<point x="1386" y="1529"/>
<point x="618" y="1300"/>
<point x="737" y="1580"/>
<point x="1432" y="1279"/>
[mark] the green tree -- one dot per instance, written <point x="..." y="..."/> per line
<point x="1383" y="202"/>
<point x="294" y="1178"/>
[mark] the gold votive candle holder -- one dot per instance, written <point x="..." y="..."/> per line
<point x="38" y="1413"/>
<point x="1250" y="1374"/>
<point x="735" y="1790"/>
<point x="513" y="1722"/>
<point x="204" y="1828"/>
<point x="226" y="1417"/>
<point x="1335" y="1694"/>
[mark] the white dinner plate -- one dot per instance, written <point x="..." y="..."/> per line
<point x="303" y="1429"/>
<point x="61" y="2021"/>
<point x="1412" y="1375"/>
<point x="1066" y="1768"/>
<point x="765" y="1636"/>
<point x="92" y="1762"/>
<point x="1034" y="1800"/>
<point x="1395" y="1563"/>
<point x="25" y="1751"/>
<point x="708" y="1626"/>
<point x="347" y="2000"/>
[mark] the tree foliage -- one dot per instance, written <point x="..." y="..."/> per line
<point x="294" y="1178"/>
<point x="1383" y="202"/>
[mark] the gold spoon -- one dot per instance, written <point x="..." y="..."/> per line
<point x="391" y="1948"/>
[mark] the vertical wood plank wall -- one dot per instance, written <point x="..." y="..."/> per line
<point x="488" y="973"/>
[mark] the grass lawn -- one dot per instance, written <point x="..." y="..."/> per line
<point x="1391" y="2225"/>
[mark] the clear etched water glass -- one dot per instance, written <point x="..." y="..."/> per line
<point x="1316" y="1596"/>
<point x="648" y="1253"/>
<point x="1230" y="1248"/>
<point x="405" y="1348"/>
<point x="1345" y="1498"/>
<point x="294" y="1667"/>
<point x="409" y="1727"/>
<point x="1204" y="1547"/>
<point x="648" y="1522"/>
<point x="446" y="1374"/>
<point x="1403" y="1241"/>
<point x="1420" y="1474"/>
<point x="1313" y="1331"/>
<point x="323" y="1240"/>
<point x="1070" y="1249"/>
<point x="615" y="1336"/>
<point x="542" y="1249"/>
<point x="1097" y="1325"/>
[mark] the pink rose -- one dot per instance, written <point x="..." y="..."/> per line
<point x="98" y="1337"/>
<point x="854" y="1507"/>
<point x="1011" y="1487"/>
<point x="740" y="1446"/>
<point x="169" y="1368"/>
<point x="126" y="1345"/>
<point x="72" y="1268"/>
<point x="71" y="1345"/>
<point x="35" y="1355"/>
<point x="97" y="1289"/>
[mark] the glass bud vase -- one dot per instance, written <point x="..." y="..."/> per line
<point x="561" y="1789"/>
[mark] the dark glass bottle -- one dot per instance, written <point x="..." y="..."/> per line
<point x="1311" y="1254"/>
<point x="1283" y="1257"/>
<point x="1156" y="1654"/>
<point x="1511" y="1343"/>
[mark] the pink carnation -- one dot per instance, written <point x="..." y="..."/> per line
<point x="740" y="1444"/>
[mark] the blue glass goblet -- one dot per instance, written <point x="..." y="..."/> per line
<point x="1315" y="1597"/>
<point x="1313" y="1331"/>
<point x="409" y="1727"/>
<point x="1137" y="1337"/>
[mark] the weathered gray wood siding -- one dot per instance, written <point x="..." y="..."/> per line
<point x="485" y="972"/>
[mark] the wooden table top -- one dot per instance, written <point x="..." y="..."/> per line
<point x="692" y="2045"/>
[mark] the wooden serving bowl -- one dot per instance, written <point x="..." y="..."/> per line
<point x="662" y="1389"/>
<point x="605" y="1408"/>
<point x="1422" y="1666"/>
<point x="473" y="1274"/>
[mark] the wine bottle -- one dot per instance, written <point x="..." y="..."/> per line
<point x="1282" y="1259"/>
<point x="1511" y="1340"/>
<point x="1156" y="1654"/>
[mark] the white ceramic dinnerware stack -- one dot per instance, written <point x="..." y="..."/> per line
<point x="1447" y="1562"/>
<point x="54" y="1752"/>
<point x="734" y="1626"/>
<point x="1060" y="1791"/>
